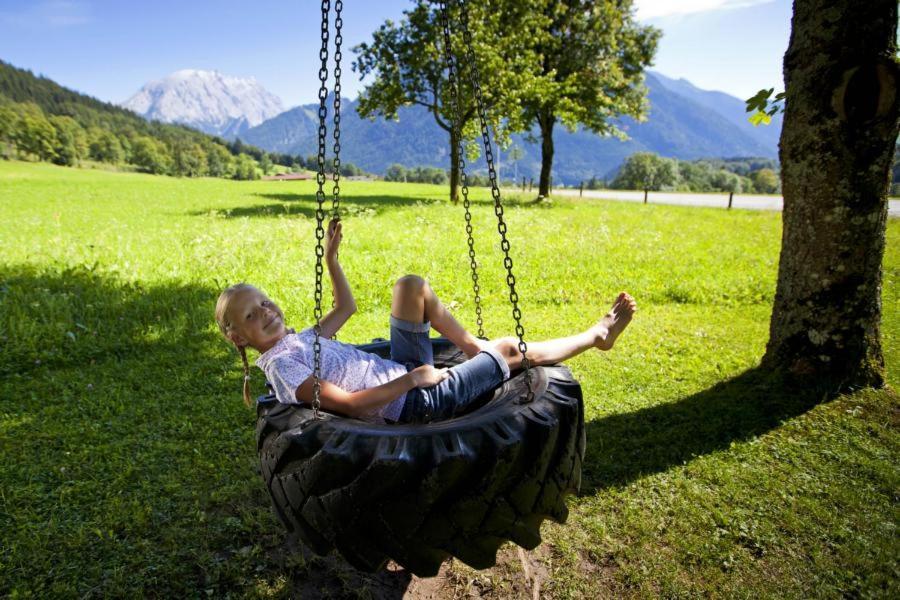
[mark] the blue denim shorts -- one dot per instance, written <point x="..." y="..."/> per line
<point x="411" y="347"/>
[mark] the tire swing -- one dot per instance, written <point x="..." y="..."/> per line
<point x="419" y="493"/>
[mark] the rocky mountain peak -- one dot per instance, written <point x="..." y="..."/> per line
<point x="206" y="100"/>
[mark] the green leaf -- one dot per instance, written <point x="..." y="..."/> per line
<point x="760" y="118"/>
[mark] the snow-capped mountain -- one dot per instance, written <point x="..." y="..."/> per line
<point x="206" y="100"/>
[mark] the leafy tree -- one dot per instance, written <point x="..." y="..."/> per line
<point x="350" y="170"/>
<point x="189" y="160"/>
<point x="245" y="168"/>
<point x="265" y="163"/>
<point x="593" y="183"/>
<point x="35" y="135"/>
<point x="150" y="155"/>
<point x="646" y="171"/>
<point x="589" y="61"/>
<point x="408" y="63"/>
<point x="72" y="145"/>
<point x="218" y="161"/>
<point x="695" y="176"/>
<point x="434" y="175"/>
<point x="104" y="146"/>
<point x="765" y="181"/>
<point x="725" y="181"/>
<point x="395" y="172"/>
<point x="841" y="121"/>
<point x="8" y="121"/>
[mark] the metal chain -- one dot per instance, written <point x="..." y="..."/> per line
<point x="495" y="193"/>
<point x="336" y="174"/>
<point x="320" y="210"/>
<point x="457" y="109"/>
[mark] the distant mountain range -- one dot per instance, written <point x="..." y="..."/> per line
<point x="684" y="122"/>
<point x="206" y="100"/>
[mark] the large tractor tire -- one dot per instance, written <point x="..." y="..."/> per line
<point x="418" y="493"/>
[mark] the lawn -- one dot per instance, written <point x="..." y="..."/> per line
<point x="129" y="464"/>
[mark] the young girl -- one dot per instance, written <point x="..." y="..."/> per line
<point x="407" y="388"/>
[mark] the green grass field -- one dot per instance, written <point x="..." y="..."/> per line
<point x="129" y="465"/>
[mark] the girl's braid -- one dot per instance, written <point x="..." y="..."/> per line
<point x="243" y="352"/>
<point x="225" y="326"/>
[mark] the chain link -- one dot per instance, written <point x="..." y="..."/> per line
<point x="457" y="109"/>
<point x="495" y="193"/>
<point x="320" y="209"/>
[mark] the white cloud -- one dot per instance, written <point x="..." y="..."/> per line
<point x="651" y="9"/>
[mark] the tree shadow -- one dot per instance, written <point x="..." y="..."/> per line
<point x="305" y="205"/>
<point x="55" y="319"/>
<point x="296" y="204"/>
<point x="120" y="394"/>
<point x="625" y="447"/>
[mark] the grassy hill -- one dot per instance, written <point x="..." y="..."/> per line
<point x="129" y="460"/>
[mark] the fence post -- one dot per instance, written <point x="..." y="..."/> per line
<point x="581" y="190"/>
<point x="530" y="183"/>
<point x="730" y="198"/>
<point x="523" y="183"/>
<point x="645" y="196"/>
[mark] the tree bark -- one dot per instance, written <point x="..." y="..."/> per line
<point x="546" y="121"/>
<point x="837" y="143"/>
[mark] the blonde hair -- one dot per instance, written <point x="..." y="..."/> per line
<point x="225" y="326"/>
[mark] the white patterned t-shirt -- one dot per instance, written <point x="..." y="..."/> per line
<point x="289" y="363"/>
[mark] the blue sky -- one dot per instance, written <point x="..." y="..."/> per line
<point x="109" y="49"/>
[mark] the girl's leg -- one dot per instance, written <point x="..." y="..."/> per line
<point x="601" y="336"/>
<point x="415" y="301"/>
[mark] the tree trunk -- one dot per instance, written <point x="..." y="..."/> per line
<point x="454" y="166"/>
<point x="840" y="126"/>
<point x="546" y="122"/>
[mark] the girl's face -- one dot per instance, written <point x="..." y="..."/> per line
<point x="255" y="320"/>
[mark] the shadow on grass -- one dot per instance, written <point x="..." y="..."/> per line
<point x="51" y="319"/>
<point x="118" y="395"/>
<point x="625" y="447"/>
<point x="292" y="204"/>
<point x="305" y="205"/>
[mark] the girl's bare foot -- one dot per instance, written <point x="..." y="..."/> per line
<point x="615" y="321"/>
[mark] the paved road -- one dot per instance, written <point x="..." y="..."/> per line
<point x="753" y="202"/>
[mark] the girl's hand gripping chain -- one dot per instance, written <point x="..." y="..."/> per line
<point x="333" y="239"/>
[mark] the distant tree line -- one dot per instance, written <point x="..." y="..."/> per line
<point x="436" y="175"/>
<point x="649" y="171"/>
<point x="41" y="120"/>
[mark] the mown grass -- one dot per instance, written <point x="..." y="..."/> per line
<point x="128" y="459"/>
